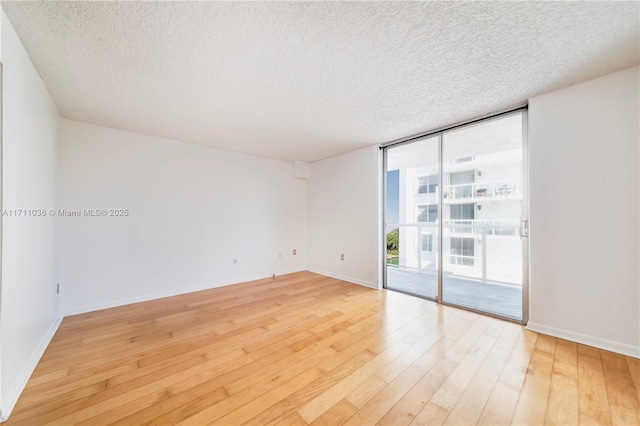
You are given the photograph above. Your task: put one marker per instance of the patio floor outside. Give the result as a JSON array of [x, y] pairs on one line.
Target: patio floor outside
[[500, 299]]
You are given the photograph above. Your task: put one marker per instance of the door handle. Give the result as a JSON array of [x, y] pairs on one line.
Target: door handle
[[524, 228]]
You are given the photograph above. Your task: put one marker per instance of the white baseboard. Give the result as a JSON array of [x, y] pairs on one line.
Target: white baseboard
[[160, 295], [596, 342], [343, 278], [26, 373]]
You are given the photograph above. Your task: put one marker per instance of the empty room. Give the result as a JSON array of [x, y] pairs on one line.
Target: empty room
[[320, 213]]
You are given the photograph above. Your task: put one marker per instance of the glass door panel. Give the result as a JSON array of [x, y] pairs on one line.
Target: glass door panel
[[482, 250], [412, 197]]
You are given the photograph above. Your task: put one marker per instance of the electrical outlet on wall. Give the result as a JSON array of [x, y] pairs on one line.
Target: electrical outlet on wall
[[341, 256], [295, 252], [235, 261]]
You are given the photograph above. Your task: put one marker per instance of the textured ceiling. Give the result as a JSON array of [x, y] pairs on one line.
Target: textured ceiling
[[487, 137], [310, 80]]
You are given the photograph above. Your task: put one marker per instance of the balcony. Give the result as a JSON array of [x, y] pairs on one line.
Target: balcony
[[480, 191], [495, 298], [482, 228], [482, 264]]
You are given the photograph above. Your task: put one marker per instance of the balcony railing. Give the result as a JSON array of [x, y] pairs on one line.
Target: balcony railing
[[481, 264], [483, 227], [501, 188]]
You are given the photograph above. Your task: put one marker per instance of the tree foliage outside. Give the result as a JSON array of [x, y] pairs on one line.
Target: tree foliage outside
[[393, 241]]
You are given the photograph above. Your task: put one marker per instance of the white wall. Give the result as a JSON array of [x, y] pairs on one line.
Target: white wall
[[192, 210], [344, 216], [583, 145], [28, 311]]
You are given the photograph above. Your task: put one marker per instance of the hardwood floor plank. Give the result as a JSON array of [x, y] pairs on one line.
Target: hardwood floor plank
[[431, 414], [112, 416], [363, 393], [180, 406], [429, 350], [471, 403], [48, 391], [382, 402], [562, 408], [280, 410], [269, 398], [315, 408], [249, 393], [439, 363], [531, 407], [37, 414], [451, 390], [634, 371], [336, 415], [307, 349], [593, 404], [623, 402], [293, 419], [499, 408]]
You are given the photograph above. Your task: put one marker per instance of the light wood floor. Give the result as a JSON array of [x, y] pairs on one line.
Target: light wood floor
[[307, 349]]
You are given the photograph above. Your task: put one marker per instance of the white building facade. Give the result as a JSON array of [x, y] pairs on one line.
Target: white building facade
[[482, 209]]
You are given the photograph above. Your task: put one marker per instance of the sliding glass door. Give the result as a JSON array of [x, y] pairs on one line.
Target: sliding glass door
[[455, 215], [412, 218]]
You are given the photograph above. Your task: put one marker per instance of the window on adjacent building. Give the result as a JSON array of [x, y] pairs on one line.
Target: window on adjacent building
[[462, 183], [428, 213], [427, 242], [462, 251], [463, 214], [463, 159], [428, 184]]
